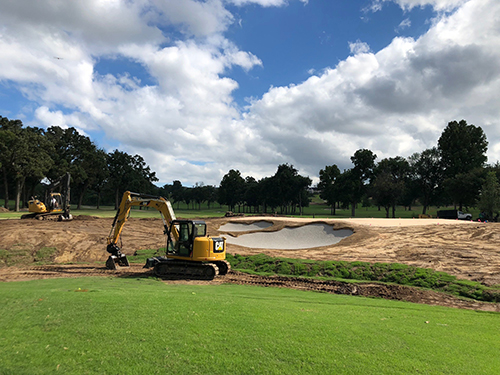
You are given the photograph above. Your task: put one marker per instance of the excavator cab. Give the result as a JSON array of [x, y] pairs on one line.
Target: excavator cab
[[187, 232]]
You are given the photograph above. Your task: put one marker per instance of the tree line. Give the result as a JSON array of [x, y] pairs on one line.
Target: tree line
[[31, 155], [454, 172]]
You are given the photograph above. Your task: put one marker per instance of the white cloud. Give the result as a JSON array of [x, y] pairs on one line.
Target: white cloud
[[395, 101], [264, 3], [403, 25], [438, 5], [359, 47], [198, 18]]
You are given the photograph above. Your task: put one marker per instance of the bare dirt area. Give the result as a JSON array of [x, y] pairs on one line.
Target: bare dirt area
[[466, 250]]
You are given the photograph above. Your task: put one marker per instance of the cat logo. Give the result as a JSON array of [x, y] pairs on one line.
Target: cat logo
[[218, 245]]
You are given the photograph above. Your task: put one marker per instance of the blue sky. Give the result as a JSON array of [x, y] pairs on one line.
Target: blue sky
[[198, 87]]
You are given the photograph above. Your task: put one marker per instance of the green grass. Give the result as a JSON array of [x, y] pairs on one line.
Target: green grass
[[22, 254], [110, 212], [142, 326], [395, 273], [317, 208]]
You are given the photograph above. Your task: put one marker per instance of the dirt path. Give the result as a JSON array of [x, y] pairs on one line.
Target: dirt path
[[470, 251]]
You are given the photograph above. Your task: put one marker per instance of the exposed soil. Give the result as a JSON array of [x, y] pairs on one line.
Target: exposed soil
[[470, 251]]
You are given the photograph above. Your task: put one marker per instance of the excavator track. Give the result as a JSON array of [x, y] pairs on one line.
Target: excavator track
[[224, 267], [177, 269]]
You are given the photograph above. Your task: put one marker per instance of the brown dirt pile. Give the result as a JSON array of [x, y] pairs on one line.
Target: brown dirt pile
[[466, 251]]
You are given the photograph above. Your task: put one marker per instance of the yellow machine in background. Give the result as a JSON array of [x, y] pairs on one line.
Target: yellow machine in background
[[190, 252], [55, 204]]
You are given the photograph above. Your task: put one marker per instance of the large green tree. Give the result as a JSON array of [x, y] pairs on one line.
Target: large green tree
[[462, 149], [127, 172], [427, 173], [177, 191], [231, 189], [252, 193], [327, 187], [489, 202], [391, 176], [35, 160], [77, 154], [361, 174], [290, 188], [9, 154], [25, 154]]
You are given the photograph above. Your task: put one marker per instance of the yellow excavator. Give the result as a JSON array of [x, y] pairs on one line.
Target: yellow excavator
[[55, 205], [190, 252]]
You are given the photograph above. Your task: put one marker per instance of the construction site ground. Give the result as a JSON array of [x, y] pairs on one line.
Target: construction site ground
[[468, 250]]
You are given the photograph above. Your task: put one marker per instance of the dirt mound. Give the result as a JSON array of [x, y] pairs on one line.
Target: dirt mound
[[80, 240], [86, 217], [466, 251], [3, 209]]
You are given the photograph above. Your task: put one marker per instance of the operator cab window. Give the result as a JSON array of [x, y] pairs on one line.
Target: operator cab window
[[185, 232], [200, 230]]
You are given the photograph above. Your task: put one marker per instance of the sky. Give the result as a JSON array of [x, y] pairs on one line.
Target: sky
[[199, 87]]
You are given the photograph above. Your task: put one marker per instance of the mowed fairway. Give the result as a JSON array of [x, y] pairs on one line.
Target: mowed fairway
[[145, 326]]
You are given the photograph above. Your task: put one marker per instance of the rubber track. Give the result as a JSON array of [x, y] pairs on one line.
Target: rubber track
[[186, 270]]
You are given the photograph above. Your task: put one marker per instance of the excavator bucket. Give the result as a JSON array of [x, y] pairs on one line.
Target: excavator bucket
[[116, 258], [114, 261]]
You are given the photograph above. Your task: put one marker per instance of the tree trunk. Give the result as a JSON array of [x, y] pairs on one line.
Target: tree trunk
[[393, 211], [117, 191], [6, 187], [98, 199], [19, 189], [82, 193], [424, 210], [353, 209], [24, 197]]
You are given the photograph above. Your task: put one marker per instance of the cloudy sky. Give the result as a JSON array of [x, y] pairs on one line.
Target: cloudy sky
[[199, 87]]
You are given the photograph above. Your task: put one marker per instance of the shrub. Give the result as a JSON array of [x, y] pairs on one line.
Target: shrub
[[299, 269], [401, 274]]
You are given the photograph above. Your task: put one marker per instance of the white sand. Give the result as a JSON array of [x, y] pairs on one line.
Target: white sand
[[305, 237]]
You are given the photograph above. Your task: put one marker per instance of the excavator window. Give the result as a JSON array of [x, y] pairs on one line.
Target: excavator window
[[200, 229], [184, 245], [185, 239]]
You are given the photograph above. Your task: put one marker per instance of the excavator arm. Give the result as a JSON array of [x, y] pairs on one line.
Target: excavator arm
[[142, 200]]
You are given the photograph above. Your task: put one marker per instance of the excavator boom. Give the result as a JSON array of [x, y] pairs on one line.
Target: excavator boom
[[190, 252], [129, 200]]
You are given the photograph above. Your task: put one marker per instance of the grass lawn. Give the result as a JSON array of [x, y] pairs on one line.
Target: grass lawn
[[143, 326], [316, 211]]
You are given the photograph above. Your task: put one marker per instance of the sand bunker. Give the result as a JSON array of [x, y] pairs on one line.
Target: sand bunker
[[243, 227], [307, 236]]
